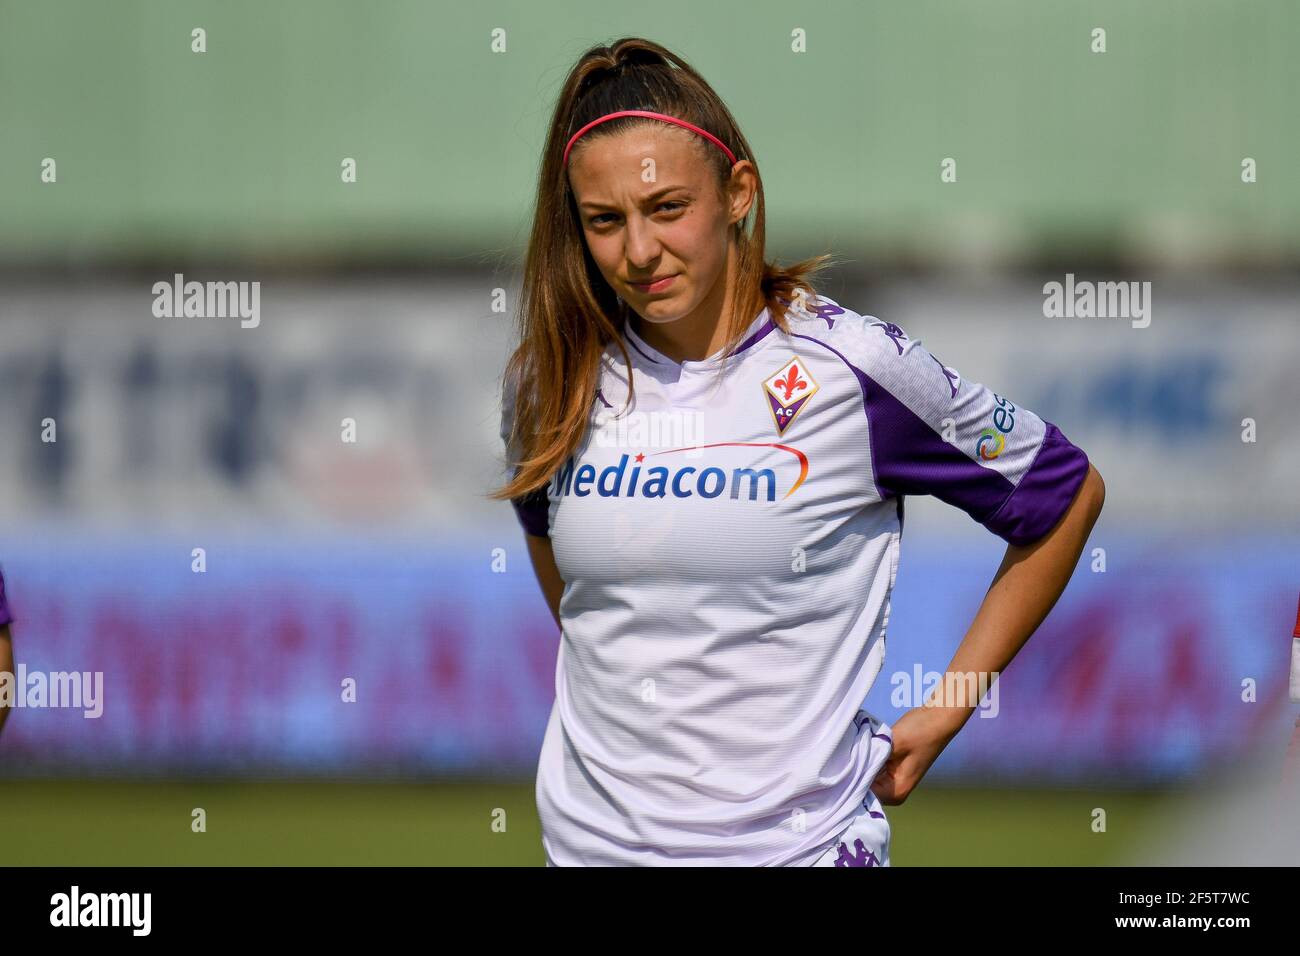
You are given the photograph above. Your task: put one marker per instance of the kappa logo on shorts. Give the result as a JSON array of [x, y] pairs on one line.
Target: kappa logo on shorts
[[860, 855], [788, 392]]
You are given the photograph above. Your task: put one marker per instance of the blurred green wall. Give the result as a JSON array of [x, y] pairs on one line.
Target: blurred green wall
[[236, 152]]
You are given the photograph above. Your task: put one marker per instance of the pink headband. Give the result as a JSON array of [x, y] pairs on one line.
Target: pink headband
[[659, 116]]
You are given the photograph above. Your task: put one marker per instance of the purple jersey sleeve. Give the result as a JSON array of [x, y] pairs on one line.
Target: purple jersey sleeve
[[934, 433], [533, 509]]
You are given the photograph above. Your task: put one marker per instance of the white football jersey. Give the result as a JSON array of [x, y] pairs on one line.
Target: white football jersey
[[728, 547]]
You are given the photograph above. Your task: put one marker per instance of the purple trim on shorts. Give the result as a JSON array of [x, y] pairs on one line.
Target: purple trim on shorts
[[935, 467]]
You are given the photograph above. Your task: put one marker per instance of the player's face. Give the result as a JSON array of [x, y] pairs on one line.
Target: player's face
[[650, 209]]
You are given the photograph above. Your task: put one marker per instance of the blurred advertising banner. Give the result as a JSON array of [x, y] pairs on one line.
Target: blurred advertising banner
[[339, 655], [375, 404]]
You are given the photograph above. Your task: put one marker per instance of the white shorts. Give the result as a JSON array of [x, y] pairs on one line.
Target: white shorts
[[865, 841]]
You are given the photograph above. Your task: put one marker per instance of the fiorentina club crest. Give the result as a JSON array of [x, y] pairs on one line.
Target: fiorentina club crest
[[788, 391]]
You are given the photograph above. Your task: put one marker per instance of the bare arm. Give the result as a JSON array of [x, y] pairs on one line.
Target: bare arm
[[548, 575], [1025, 588]]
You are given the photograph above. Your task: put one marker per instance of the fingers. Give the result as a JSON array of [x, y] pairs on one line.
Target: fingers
[[883, 788]]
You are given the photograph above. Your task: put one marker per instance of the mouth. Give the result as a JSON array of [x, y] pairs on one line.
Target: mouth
[[654, 285]]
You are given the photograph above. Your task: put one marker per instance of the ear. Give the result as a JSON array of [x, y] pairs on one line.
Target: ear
[[742, 190]]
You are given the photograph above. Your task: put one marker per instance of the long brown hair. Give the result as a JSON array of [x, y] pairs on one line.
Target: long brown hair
[[568, 313]]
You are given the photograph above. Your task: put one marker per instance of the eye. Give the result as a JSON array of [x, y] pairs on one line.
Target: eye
[[671, 204]]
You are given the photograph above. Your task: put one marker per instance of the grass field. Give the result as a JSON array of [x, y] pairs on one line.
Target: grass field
[[147, 823]]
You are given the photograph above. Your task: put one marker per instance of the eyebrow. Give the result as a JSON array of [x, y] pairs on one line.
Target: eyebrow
[[650, 198]]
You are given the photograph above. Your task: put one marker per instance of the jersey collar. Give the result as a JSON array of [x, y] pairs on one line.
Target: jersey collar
[[758, 330]]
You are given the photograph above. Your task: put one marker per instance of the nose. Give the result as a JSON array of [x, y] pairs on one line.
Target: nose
[[642, 246]]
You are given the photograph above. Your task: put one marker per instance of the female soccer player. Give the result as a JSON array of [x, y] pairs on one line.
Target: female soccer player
[[709, 462]]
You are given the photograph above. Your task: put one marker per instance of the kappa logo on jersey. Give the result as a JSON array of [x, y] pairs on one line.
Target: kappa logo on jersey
[[950, 375], [788, 392], [815, 309], [896, 335]]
